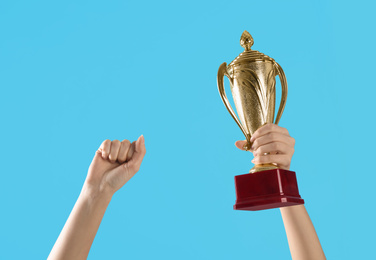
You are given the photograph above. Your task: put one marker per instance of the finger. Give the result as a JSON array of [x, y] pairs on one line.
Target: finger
[[123, 151], [134, 163], [131, 150], [269, 128], [241, 144], [105, 148], [282, 160], [274, 148], [98, 155], [115, 146], [272, 137]]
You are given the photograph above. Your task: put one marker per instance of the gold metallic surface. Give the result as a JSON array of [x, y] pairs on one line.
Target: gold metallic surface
[[263, 167], [252, 82]]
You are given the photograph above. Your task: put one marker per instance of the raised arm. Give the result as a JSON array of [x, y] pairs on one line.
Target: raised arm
[[273, 144], [114, 164], [301, 235]]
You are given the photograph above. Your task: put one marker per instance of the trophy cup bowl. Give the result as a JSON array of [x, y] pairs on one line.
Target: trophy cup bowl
[[253, 86]]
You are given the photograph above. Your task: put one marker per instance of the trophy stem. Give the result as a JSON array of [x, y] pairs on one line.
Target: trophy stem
[[263, 167]]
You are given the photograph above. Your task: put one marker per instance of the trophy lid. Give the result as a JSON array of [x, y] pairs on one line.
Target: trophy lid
[[248, 55]]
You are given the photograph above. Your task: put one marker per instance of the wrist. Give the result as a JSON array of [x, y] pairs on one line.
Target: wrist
[[91, 193]]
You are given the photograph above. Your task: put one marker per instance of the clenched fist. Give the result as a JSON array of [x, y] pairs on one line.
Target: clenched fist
[[114, 164], [271, 144]]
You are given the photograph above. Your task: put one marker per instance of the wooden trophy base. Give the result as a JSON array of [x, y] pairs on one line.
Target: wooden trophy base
[[266, 190]]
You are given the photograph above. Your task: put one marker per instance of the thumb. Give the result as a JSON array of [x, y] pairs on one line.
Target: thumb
[[97, 157], [240, 145], [133, 165]]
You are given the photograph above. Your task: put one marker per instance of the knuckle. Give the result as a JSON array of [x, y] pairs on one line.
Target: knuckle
[[272, 126], [116, 142], [122, 156], [265, 128], [284, 130], [126, 142], [121, 160], [272, 136], [106, 143]]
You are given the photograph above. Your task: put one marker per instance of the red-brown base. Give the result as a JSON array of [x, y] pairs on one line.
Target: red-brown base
[[266, 190]]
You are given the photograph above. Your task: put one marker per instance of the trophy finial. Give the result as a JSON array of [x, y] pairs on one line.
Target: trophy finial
[[246, 40]]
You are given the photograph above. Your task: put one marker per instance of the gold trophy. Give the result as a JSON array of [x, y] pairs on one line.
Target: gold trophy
[[253, 86]]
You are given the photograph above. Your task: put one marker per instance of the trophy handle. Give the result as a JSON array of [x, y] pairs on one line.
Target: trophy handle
[[222, 71], [283, 80]]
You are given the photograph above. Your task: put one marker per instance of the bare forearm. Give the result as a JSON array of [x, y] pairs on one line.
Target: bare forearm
[[113, 165], [302, 238], [77, 236]]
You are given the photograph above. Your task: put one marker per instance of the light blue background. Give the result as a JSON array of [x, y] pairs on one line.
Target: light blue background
[[73, 73]]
